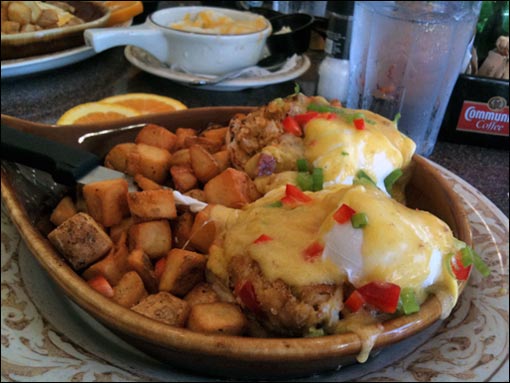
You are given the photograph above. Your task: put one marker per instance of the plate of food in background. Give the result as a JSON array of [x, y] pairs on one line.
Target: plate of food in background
[[38, 36]]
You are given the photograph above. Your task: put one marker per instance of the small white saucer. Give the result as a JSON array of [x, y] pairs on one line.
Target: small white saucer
[[146, 62]]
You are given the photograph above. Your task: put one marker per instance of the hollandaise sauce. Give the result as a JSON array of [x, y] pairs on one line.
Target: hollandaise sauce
[[292, 232], [341, 148], [395, 244]]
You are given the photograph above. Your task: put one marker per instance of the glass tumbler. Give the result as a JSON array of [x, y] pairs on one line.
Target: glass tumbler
[[405, 58]]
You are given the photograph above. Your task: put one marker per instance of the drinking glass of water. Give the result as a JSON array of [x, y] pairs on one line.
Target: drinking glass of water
[[405, 58]]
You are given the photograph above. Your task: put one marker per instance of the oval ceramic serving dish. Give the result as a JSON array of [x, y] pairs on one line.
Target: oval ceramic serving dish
[[28, 44], [226, 356]]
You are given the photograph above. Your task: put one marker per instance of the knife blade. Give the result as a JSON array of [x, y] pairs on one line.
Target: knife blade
[[67, 165]]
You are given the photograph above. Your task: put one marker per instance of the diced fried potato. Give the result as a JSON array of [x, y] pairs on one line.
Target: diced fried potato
[[152, 204], [203, 231], [231, 188], [198, 194], [10, 27], [164, 307], [145, 183], [181, 134], [117, 157], [222, 159], [217, 135], [107, 201], [183, 177], [80, 240], [153, 237], [183, 270], [151, 161], [122, 227], [114, 265], [35, 11], [156, 135], [64, 210], [47, 19], [29, 28], [181, 157], [130, 290], [182, 229], [19, 12], [201, 293], [203, 163], [141, 263], [210, 145], [217, 318]]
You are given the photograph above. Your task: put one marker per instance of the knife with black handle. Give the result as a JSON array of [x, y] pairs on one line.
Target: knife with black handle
[[67, 165]]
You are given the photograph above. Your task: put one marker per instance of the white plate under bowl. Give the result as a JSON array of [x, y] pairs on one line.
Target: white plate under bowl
[[146, 62]]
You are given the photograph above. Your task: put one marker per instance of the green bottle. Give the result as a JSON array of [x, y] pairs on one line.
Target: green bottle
[[492, 23]]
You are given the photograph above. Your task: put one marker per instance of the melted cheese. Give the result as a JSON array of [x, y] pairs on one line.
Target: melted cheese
[[341, 150], [210, 21]]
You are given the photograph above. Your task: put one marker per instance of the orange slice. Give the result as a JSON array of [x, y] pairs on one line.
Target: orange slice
[[95, 112], [146, 103], [122, 11]]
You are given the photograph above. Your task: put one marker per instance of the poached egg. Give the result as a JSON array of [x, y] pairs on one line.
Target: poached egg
[[400, 245], [342, 150]]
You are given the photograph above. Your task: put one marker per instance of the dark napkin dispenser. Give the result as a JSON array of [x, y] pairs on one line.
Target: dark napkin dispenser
[[477, 113]]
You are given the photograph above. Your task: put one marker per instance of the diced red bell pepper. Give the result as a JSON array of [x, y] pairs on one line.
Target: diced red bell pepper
[[304, 118], [291, 126], [359, 123], [344, 214], [294, 196], [328, 115], [246, 292], [460, 271], [159, 267], [355, 301], [313, 251], [382, 295], [101, 285], [296, 193], [263, 238]]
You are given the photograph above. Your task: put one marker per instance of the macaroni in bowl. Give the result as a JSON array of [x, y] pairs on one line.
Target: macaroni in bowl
[[217, 23]]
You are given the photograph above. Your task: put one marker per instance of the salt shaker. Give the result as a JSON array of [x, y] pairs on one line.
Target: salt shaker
[[334, 69]]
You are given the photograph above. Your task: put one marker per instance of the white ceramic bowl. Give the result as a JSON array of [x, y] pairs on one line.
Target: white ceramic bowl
[[193, 52]]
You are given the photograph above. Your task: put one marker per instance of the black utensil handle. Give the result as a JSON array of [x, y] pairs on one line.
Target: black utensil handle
[[66, 164]]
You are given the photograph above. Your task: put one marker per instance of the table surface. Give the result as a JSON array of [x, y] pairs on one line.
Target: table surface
[[43, 97]]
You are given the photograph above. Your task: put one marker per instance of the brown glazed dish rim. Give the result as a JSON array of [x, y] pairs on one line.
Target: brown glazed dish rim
[[254, 355]]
